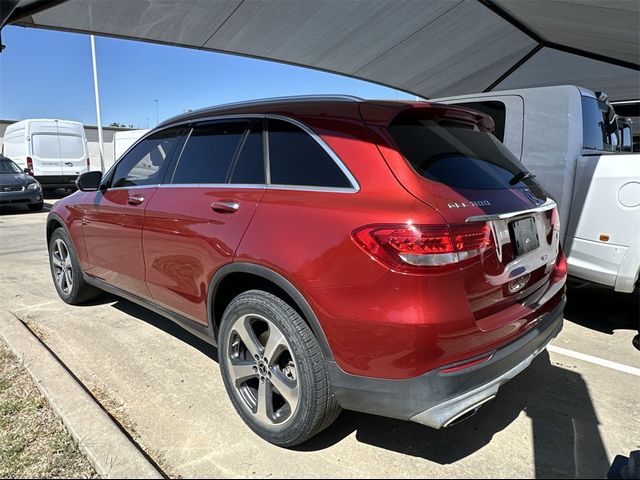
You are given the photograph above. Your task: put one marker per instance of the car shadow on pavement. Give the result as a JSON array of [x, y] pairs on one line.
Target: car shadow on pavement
[[161, 323], [57, 193], [564, 427], [564, 433], [590, 305]]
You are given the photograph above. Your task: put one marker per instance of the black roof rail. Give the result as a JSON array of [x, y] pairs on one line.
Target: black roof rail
[[262, 101]]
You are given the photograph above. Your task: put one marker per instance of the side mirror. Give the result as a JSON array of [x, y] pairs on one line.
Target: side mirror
[[89, 181], [27, 171]]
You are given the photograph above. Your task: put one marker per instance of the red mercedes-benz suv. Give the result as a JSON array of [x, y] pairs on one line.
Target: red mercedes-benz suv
[[386, 257]]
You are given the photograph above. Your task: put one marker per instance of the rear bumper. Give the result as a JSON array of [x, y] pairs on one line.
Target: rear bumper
[[57, 181], [629, 272], [614, 266], [436, 399]]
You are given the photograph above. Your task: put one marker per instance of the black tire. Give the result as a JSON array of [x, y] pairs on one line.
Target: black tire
[[316, 407], [80, 291], [36, 207]]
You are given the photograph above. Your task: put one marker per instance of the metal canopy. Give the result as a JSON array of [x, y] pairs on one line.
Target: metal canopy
[[431, 48]]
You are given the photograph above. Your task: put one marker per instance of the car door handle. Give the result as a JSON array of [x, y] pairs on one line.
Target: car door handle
[[225, 206], [135, 199]]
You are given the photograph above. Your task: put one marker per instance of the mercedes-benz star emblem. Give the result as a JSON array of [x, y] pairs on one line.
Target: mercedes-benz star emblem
[[532, 197]]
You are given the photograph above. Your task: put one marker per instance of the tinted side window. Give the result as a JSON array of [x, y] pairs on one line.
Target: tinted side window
[[495, 110], [249, 167], [143, 164], [209, 152], [295, 158]]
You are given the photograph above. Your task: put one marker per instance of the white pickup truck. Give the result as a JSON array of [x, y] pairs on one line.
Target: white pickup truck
[[572, 141]]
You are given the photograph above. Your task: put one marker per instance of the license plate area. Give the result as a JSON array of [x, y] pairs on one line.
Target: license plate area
[[524, 235]]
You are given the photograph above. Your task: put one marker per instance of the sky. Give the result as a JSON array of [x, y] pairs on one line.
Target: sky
[[48, 74]]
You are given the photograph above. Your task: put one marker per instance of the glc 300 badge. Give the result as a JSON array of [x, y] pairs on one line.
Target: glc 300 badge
[[472, 203]]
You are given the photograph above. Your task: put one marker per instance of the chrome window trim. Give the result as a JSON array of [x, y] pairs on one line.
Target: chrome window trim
[[355, 186], [137, 187], [258, 186], [310, 188], [548, 205]]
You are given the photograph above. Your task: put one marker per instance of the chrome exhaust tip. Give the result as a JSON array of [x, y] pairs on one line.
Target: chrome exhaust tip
[[469, 412]]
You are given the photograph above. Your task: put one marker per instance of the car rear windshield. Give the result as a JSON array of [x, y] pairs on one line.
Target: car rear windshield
[[45, 145], [51, 146], [456, 153], [71, 147]]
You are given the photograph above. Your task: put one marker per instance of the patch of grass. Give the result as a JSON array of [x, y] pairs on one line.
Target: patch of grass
[[33, 440], [4, 384]]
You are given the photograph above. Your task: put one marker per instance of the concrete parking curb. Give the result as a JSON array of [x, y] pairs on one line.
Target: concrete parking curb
[[109, 450]]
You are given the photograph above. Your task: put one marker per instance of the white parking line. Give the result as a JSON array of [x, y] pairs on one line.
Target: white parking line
[[595, 360]]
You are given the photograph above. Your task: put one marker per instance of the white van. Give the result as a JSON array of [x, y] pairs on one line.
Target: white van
[[571, 139], [55, 151], [122, 140]]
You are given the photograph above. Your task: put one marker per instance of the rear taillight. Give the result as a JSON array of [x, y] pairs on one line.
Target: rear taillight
[[560, 270], [30, 165], [420, 248], [554, 221]]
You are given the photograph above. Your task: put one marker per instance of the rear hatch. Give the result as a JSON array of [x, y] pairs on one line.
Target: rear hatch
[[73, 149], [504, 227], [45, 149]]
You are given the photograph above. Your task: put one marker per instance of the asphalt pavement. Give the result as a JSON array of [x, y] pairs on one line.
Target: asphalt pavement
[[568, 415]]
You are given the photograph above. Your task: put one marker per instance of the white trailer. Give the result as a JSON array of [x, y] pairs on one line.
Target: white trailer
[[570, 140]]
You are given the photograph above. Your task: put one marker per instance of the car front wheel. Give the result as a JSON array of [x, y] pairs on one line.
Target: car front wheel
[[274, 370]]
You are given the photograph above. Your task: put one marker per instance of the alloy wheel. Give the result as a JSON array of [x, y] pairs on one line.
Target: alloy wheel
[[263, 370], [62, 268]]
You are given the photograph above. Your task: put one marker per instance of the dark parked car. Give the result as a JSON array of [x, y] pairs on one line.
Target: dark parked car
[[386, 257], [18, 187]]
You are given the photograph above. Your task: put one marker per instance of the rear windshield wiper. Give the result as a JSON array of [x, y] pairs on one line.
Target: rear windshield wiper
[[518, 177]]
